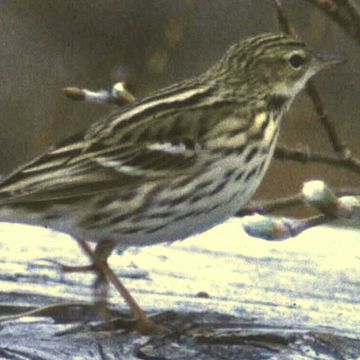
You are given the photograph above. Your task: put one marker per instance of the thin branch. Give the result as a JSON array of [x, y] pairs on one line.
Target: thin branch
[[337, 144], [297, 227], [268, 206], [272, 205], [283, 21], [118, 95], [315, 194], [346, 13], [279, 229], [305, 155]]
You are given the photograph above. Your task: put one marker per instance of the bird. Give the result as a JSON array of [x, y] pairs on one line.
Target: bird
[[169, 165]]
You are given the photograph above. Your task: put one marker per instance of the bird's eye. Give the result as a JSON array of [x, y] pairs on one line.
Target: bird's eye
[[296, 61]]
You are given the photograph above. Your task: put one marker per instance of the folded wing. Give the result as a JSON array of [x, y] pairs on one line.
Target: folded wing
[[78, 167]]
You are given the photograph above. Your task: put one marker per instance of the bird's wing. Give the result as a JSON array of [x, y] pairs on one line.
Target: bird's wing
[[91, 163]]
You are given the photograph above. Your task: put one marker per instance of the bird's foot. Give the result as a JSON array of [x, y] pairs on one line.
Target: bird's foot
[[148, 327]]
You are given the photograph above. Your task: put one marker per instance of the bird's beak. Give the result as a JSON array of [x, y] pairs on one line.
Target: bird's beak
[[325, 61]]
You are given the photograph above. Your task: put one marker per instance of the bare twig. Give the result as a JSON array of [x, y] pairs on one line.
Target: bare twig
[[346, 13], [305, 155], [118, 95], [337, 144], [315, 194], [272, 205], [268, 206], [321, 197], [283, 21], [298, 226], [278, 229]]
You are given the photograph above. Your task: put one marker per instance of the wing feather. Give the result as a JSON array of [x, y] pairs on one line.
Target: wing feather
[[76, 169]]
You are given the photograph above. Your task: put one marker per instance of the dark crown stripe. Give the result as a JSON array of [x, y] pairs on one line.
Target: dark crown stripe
[[264, 39], [285, 44], [266, 42]]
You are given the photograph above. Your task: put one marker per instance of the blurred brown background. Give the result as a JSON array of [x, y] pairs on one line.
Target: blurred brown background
[[49, 44]]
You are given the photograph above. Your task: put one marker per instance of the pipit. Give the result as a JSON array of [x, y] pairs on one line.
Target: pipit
[[171, 165]]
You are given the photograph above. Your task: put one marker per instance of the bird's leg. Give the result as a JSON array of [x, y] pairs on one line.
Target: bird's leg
[[70, 268], [105, 273], [101, 294]]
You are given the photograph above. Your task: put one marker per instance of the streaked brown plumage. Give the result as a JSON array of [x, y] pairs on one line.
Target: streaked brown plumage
[[173, 164]]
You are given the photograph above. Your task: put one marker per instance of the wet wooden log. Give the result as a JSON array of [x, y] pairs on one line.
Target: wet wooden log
[[221, 295]]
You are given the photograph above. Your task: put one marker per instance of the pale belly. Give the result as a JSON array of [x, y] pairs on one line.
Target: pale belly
[[192, 217], [184, 219]]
